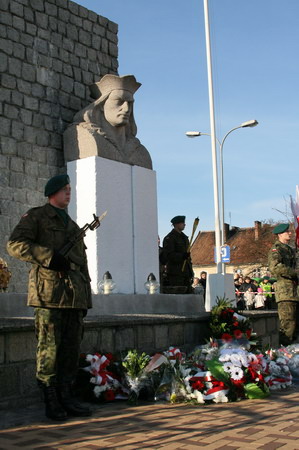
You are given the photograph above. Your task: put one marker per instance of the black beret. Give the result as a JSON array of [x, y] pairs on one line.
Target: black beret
[[281, 228], [56, 183], [178, 219]]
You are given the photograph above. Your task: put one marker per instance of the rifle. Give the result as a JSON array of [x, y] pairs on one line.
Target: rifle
[[81, 233], [195, 225]]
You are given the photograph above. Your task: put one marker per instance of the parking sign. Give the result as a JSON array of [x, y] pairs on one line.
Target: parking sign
[[225, 253]]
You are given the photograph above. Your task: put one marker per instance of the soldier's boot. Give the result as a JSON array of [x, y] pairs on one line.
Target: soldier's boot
[[70, 404], [54, 410]]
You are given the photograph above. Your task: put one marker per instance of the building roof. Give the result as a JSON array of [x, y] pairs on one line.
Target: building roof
[[247, 245]]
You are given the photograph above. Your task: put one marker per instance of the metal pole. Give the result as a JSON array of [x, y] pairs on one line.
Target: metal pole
[[213, 138], [222, 181]]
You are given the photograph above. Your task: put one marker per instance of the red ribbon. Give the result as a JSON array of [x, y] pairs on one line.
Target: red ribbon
[[297, 233], [216, 389]]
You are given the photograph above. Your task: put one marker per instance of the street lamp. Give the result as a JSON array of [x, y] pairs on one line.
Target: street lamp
[[192, 134], [250, 124]]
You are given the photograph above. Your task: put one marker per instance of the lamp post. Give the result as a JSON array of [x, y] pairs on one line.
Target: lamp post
[[192, 134], [213, 137], [250, 124]]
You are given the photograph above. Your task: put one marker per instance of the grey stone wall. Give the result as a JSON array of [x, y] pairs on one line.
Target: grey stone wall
[[50, 52]]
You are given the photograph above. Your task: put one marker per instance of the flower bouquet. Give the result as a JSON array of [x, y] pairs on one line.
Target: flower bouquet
[[292, 353], [173, 371], [278, 373], [106, 383], [136, 377], [227, 373], [228, 326]]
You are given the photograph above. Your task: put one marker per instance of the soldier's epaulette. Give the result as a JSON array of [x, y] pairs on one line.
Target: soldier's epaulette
[[29, 211]]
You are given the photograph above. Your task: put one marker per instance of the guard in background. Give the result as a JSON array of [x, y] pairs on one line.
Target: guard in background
[[59, 290], [177, 256], [282, 265]]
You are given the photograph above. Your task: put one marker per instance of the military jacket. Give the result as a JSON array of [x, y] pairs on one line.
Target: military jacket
[[282, 264], [40, 232], [175, 246]]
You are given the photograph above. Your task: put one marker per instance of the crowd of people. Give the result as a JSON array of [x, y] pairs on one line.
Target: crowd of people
[[253, 294]]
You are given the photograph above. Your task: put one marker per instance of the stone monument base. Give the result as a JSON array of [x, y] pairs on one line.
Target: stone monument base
[[126, 244], [14, 305]]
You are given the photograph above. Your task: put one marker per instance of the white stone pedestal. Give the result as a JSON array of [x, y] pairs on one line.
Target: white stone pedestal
[[219, 285], [126, 243]]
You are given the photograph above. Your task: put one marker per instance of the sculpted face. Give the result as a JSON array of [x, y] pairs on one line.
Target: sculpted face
[[118, 108]]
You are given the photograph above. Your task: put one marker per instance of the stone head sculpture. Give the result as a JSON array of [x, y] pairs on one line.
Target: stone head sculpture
[[107, 127]]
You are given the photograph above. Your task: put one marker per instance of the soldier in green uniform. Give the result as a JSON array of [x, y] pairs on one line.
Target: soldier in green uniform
[[59, 290], [177, 256], [282, 265]]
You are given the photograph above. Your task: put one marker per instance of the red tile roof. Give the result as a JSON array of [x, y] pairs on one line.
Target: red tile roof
[[247, 245]]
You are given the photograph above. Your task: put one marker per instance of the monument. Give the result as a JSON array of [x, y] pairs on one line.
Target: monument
[[111, 170]]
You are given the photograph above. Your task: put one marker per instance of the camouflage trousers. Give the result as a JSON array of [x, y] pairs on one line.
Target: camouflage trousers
[[287, 320], [59, 333]]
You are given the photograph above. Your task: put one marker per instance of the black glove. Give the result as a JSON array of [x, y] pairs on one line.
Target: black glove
[[59, 263]]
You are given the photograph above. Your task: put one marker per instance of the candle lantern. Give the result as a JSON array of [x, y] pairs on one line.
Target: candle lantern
[[151, 285], [107, 284]]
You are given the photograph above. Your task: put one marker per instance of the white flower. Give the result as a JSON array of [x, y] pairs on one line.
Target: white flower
[[221, 398], [198, 396], [274, 387], [185, 371], [187, 384], [96, 380], [237, 373], [228, 366], [285, 369], [252, 358], [281, 360], [237, 361], [274, 368], [99, 389], [235, 355]]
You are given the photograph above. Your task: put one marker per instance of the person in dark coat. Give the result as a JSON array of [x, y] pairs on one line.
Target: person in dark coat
[[248, 283], [176, 253], [203, 281]]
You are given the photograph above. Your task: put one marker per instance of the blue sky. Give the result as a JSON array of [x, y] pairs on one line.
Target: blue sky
[[255, 48]]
